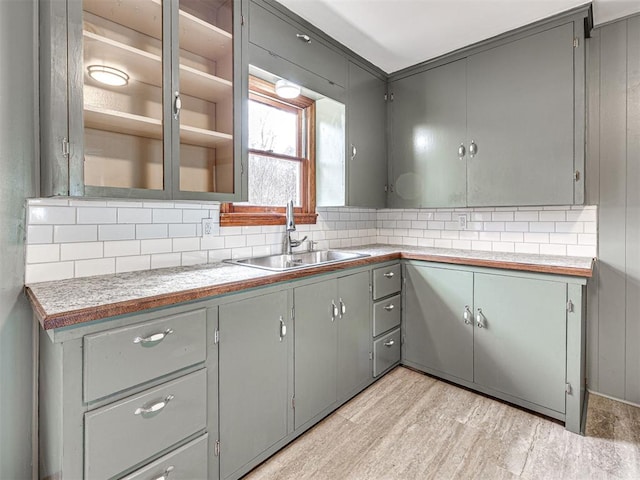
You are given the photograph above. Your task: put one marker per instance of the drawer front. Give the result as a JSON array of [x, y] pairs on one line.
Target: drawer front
[[185, 463], [386, 281], [386, 315], [386, 352], [124, 357], [123, 434], [280, 37]]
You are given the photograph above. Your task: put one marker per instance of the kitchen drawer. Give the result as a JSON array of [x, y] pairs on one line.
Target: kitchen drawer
[[124, 357], [386, 281], [386, 315], [281, 37], [386, 352], [120, 435], [185, 463]]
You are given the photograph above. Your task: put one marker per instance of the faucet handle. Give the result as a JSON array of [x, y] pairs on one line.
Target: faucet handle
[[311, 245]]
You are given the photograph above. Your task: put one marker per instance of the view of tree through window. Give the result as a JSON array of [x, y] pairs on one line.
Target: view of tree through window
[[275, 164]]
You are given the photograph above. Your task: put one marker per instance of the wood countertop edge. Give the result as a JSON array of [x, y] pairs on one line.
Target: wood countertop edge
[[74, 317]]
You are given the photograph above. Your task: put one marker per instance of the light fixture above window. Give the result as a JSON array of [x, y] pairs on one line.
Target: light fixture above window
[[108, 75], [287, 89]]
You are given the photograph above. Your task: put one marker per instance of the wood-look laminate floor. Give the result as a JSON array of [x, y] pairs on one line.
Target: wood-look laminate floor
[[411, 426]]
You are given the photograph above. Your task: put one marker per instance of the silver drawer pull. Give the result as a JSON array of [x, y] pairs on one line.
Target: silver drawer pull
[[343, 308], [480, 319], [283, 328], [303, 37], [155, 338], [155, 408], [389, 307], [165, 475], [388, 274], [389, 343], [334, 310], [466, 315]]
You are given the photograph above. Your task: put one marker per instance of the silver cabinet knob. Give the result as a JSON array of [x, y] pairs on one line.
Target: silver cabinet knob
[[389, 307], [467, 315], [461, 151], [480, 319], [473, 149], [303, 37], [388, 274]]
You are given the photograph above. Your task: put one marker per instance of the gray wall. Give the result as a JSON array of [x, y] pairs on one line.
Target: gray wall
[[18, 153], [614, 182]]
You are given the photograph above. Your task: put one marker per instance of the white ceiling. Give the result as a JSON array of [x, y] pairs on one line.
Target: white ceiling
[[394, 34]]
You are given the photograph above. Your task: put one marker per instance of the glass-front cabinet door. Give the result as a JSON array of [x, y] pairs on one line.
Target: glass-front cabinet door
[[157, 98], [203, 101]]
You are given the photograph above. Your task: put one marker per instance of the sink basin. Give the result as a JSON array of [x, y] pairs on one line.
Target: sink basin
[[285, 262]]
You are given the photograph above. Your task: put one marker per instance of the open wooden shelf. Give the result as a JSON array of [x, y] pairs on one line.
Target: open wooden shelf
[[131, 124], [147, 68], [145, 16]]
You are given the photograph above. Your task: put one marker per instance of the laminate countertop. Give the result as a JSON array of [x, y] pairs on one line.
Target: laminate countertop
[[64, 303]]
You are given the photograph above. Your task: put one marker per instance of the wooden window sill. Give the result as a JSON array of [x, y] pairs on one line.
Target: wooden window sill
[[257, 219]]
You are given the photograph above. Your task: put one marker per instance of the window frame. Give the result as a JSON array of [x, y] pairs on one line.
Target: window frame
[[253, 215]]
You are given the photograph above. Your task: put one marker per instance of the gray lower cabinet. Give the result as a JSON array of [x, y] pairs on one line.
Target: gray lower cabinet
[[254, 355], [332, 343], [516, 336], [438, 320]]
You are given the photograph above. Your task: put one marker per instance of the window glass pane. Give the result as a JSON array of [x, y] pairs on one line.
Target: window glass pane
[[272, 129], [273, 181]]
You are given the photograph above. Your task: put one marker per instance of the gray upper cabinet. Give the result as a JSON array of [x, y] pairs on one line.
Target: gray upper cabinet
[[147, 102], [520, 115], [428, 121], [366, 145], [255, 351], [500, 125]]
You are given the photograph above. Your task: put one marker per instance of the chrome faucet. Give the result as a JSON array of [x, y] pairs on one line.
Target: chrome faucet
[[288, 244]]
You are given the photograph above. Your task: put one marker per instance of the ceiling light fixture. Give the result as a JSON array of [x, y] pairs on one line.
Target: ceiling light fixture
[[287, 89], [108, 75]]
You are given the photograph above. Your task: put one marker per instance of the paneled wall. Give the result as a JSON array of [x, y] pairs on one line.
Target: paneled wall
[[614, 182], [18, 160]]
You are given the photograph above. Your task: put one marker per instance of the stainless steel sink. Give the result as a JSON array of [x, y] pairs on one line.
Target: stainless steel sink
[[284, 262]]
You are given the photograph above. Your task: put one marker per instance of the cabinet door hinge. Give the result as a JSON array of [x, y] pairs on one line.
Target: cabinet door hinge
[[391, 97], [216, 448], [216, 337], [402, 340], [386, 188], [293, 313], [567, 388], [576, 175], [576, 42], [370, 355], [386, 97], [293, 402], [241, 19], [65, 147], [570, 306], [370, 288]]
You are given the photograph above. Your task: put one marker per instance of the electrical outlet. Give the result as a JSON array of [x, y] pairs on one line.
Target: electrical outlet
[[462, 222], [209, 228]]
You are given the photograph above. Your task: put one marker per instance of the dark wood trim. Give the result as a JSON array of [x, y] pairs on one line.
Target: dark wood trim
[[245, 219]]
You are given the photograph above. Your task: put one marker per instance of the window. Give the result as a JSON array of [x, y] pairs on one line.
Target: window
[[281, 163]]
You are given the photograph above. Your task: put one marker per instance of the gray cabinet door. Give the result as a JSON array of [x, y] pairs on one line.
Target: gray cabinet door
[[354, 334], [435, 330], [366, 148], [520, 115], [520, 349], [254, 371], [428, 125], [316, 347]]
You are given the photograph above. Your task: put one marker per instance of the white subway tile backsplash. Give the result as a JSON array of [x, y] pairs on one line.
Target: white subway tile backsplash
[[37, 234], [152, 230], [134, 215], [158, 245], [46, 272], [154, 234], [75, 233], [121, 248], [116, 232], [81, 251], [51, 215], [165, 260], [43, 253], [131, 264], [166, 215], [97, 266]]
